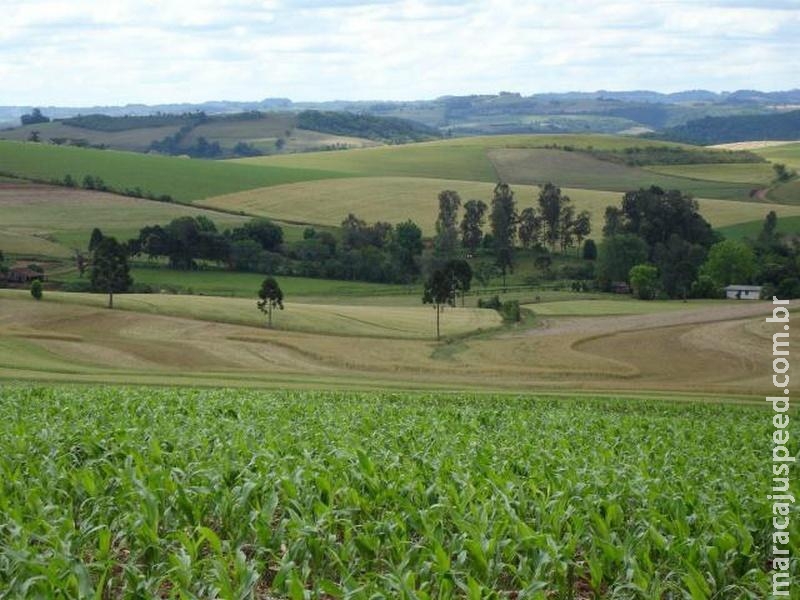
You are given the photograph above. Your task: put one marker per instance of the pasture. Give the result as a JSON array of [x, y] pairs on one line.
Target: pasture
[[754, 174], [182, 178], [788, 154], [225, 493]]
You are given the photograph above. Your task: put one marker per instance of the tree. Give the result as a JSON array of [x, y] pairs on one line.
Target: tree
[[263, 231], [271, 297], [590, 250], [438, 291], [407, 247], [36, 289], [461, 276], [504, 228], [80, 262], [618, 255], [34, 117], [730, 262], [34, 136], [95, 239], [782, 174], [110, 271], [644, 281], [529, 227], [566, 227], [472, 224], [582, 227], [446, 238], [551, 209]]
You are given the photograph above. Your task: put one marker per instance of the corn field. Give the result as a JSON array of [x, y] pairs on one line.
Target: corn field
[[171, 493]]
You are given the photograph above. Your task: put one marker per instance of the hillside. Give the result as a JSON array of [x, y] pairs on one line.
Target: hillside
[[735, 128], [201, 135]]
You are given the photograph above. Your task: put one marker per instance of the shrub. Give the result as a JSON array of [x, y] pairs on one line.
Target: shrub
[[36, 289]]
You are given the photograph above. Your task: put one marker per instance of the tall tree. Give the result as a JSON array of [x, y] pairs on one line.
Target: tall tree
[[472, 224], [407, 247], [438, 291], [566, 227], [730, 261], [582, 227], [95, 239], [551, 207], [110, 271], [461, 277], [529, 227], [446, 239], [270, 297], [504, 226]]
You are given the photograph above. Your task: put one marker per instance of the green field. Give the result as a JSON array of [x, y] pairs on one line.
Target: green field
[[756, 174], [515, 159], [183, 179], [788, 154], [622, 306], [136, 140], [787, 193], [184, 493], [751, 229], [245, 285]]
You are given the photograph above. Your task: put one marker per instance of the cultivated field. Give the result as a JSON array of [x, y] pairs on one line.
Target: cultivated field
[[44, 220], [186, 493], [754, 174], [703, 348], [182, 178], [395, 199]]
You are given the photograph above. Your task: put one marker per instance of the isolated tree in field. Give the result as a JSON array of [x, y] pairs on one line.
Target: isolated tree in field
[[446, 239], [95, 239], [461, 277], [270, 297], [438, 291], [36, 289], [110, 271], [730, 262], [644, 281], [529, 227], [472, 224]]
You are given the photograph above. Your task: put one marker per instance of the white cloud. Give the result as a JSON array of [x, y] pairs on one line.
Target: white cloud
[[86, 52]]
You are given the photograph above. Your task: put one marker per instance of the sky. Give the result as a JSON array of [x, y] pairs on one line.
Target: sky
[[115, 52]]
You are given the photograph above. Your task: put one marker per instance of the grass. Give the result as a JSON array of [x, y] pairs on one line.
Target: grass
[[788, 154], [516, 159], [751, 229], [395, 199], [136, 140], [183, 179], [152, 492], [786, 193], [245, 285], [624, 306], [372, 321], [755, 174]]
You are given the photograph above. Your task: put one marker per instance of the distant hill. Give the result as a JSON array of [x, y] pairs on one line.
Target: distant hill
[[736, 128], [602, 111]]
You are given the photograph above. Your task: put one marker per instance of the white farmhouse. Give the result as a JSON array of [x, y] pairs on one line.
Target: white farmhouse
[[743, 292]]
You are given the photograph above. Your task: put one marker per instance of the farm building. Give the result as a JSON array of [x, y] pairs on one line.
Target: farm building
[[743, 292], [23, 275]]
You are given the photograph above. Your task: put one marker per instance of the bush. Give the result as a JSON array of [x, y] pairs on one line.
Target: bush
[[706, 287], [493, 303], [510, 311], [36, 289]]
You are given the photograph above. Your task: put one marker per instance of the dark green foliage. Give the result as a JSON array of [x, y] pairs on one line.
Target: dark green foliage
[[777, 258], [618, 255], [705, 287], [736, 128], [265, 232], [472, 224], [552, 205], [107, 123], [36, 289], [446, 239], [730, 261], [438, 290], [640, 156], [503, 220], [529, 227], [34, 118], [183, 240], [782, 174], [388, 129], [270, 297], [110, 272], [589, 250], [245, 149], [95, 239]]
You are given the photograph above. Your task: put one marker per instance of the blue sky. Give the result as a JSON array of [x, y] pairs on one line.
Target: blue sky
[[89, 52]]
